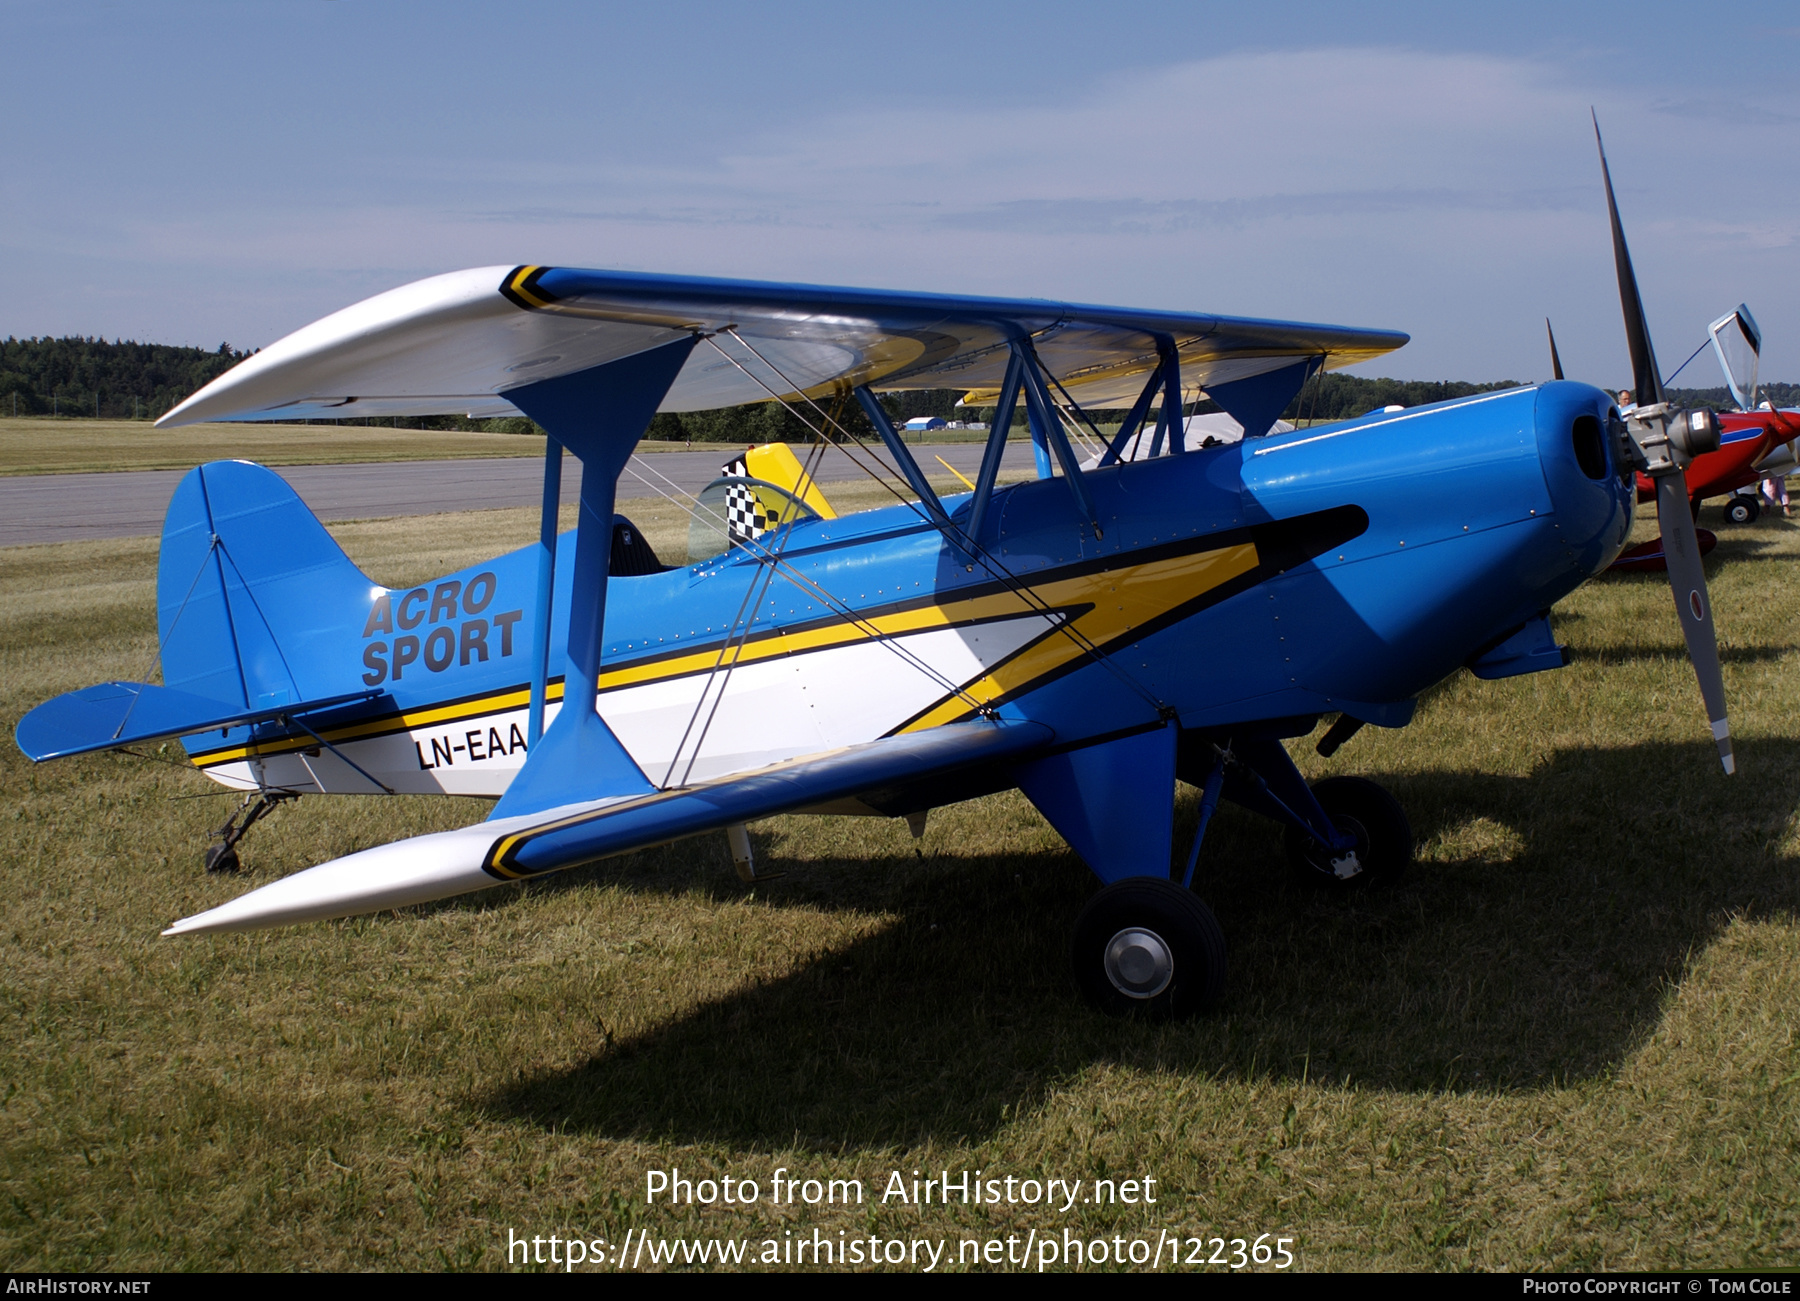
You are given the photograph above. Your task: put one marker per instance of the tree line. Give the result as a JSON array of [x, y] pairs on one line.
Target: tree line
[[124, 380], [120, 380]]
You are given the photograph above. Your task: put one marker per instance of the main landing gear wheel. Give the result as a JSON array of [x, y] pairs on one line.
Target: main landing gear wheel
[[1360, 808], [1742, 509], [1146, 947]]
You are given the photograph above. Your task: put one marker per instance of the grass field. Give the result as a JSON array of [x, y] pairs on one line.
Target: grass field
[[42, 446], [1565, 1041], [85, 446]]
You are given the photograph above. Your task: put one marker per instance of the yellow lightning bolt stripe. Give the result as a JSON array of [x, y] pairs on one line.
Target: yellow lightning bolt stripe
[[769, 645], [1120, 600], [776, 643]]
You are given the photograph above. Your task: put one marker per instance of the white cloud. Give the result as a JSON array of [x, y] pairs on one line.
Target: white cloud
[[1455, 196]]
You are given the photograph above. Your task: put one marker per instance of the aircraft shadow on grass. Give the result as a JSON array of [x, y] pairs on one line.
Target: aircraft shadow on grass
[[1741, 544], [1637, 653], [1543, 958], [1738, 546]]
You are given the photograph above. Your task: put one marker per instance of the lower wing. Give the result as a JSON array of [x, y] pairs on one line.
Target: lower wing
[[447, 863]]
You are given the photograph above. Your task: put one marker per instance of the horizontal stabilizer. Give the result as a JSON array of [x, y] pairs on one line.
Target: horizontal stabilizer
[[125, 713], [449, 863]]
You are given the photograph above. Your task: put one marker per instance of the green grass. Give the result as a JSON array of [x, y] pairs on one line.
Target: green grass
[[1565, 1041], [44, 446]]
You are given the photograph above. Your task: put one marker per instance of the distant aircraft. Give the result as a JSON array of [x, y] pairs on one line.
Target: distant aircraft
[[1089, 637], [1755, 441]]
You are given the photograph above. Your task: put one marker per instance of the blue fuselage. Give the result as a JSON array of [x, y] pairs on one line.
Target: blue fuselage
[[1480, 516], [1343, 568]]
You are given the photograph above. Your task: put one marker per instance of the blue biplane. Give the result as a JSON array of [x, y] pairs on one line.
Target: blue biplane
[[1090, 637]]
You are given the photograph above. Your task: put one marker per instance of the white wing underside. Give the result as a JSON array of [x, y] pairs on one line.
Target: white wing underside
[[454, 344]]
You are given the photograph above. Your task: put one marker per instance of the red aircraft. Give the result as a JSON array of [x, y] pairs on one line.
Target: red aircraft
[[1753, 445], [1755, 442]]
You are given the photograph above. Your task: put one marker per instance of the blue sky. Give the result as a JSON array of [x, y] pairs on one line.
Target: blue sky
[[198, 172]]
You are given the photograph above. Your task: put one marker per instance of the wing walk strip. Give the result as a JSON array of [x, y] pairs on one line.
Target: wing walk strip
[[1109, 606]]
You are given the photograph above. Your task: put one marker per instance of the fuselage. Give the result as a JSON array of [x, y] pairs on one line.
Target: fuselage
[[1344, 568]]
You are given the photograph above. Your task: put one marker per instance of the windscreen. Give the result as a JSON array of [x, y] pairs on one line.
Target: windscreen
[[1738, 344], [733, 511]]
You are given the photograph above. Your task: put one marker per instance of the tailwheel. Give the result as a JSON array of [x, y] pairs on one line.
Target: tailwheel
[[1146, 947], [1358, 808], [223, 856]]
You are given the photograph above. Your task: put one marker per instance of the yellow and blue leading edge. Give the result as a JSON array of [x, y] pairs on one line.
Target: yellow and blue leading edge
[[1090, 637]]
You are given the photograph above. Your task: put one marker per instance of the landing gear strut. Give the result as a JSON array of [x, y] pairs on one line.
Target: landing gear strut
[[222, 855], [1145, 946], [1358, 808]]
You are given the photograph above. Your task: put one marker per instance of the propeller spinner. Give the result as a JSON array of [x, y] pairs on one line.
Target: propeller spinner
[[1660, 441]]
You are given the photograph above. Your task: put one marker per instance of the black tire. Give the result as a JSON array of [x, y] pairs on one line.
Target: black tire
[[1742, 510], [1168, 953], [221, 859], [1357, 806]]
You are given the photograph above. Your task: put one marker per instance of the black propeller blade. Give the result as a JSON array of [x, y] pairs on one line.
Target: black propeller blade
[[1555, 361], [1666, 440], [1646, 378]]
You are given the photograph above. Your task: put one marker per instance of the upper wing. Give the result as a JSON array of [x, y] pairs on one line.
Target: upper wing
[[456, 343]]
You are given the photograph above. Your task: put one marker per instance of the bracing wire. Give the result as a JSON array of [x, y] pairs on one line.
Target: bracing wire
[[740, 629], [1079, 413], [989, 562], [773, 554]]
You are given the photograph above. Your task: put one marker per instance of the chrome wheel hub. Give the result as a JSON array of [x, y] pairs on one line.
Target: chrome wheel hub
[[1139, 963]]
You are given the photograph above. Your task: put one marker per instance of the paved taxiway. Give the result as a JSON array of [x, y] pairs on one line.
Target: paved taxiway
[[74, 507]]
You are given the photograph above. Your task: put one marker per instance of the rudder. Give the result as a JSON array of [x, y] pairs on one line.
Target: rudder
[[251, 590]]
